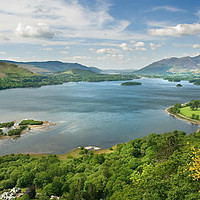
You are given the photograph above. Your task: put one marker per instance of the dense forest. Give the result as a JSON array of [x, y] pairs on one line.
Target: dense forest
[[160, 166], [73, 75]]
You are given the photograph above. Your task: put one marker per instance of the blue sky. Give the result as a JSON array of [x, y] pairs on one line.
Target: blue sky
[[108, 34]]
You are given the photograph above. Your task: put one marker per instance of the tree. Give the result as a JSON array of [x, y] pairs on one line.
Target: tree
[[195, 104], [193, 116], [25, 180], [25, 197]]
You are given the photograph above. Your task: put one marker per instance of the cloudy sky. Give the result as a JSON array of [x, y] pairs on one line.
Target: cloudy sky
[[108, 34]]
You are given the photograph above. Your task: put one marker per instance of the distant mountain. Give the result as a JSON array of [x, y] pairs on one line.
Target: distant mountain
[[173, 66], [117, 71], [9, 70], [51, 66]]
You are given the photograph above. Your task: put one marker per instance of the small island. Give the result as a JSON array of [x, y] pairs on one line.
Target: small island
[[188, 112], [14, 129], [131, 83], [179, 85]]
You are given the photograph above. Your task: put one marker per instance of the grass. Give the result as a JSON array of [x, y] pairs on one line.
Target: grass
[[74, 153], [11, 70], [188, 112]]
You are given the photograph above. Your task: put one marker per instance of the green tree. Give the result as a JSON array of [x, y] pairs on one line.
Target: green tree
[[25, 197]]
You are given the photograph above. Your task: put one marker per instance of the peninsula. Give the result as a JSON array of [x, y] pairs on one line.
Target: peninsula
[[188, 112], [14, 129]]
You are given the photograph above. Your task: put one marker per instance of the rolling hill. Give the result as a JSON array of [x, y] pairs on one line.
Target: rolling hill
[[51, 66], [8, 70], [173, 66]]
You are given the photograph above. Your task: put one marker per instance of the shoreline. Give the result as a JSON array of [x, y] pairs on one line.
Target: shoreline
[[182, 117], [31, 128], [72, 153]]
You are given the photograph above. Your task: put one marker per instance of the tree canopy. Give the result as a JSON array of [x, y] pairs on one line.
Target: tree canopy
[[153, 167]]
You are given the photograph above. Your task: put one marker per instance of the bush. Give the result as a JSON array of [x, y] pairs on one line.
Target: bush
[[30, 122], [7, 124], [81, 152], [91, 153], [25, 197], [14, 132]]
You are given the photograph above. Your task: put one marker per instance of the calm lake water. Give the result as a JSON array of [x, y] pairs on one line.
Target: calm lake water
[[101, 114]]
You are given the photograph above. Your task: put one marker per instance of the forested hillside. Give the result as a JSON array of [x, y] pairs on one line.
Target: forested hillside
[[160, 166], [17, 77], [51, 66]]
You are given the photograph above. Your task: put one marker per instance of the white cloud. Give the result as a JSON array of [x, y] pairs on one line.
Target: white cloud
[[196, 46], [125, 47], [64, 52], [72, 18], [41, 30], [114, 57], [47, 49], [140, 46], [3, 52], [77, 58], [106, 51], [155, 46], [109, 54], [81, 57], [140, 49], [157, 23], [168, 8], [177, 31]]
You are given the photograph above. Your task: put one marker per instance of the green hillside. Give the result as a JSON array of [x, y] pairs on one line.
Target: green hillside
[[8, 70], [49, 67], [157, 167], [21, 78]]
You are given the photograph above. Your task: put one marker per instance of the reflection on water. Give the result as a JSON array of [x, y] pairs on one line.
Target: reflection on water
[[100, 114]]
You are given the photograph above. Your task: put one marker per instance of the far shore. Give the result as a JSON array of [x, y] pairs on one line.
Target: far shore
[[182, 117]]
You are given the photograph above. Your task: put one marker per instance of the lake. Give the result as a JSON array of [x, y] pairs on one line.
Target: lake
[[101, 114]]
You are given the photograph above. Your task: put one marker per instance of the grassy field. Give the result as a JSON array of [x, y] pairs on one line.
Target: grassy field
[[188, 112], [74, 153], [11, 70]]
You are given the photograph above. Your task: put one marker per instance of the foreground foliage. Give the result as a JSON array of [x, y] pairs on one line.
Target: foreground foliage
[[153, 167]]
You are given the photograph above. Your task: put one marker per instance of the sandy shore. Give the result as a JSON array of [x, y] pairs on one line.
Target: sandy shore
[[31, 128], [182, 117]]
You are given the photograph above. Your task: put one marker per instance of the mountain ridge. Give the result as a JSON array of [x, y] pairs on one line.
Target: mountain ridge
[[173, 65], [45, 67]]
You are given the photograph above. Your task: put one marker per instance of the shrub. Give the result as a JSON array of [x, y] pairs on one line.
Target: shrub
[[30, 122]]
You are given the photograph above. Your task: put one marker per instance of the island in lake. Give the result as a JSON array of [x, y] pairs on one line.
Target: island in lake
[[13, 129], [131, 83]]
